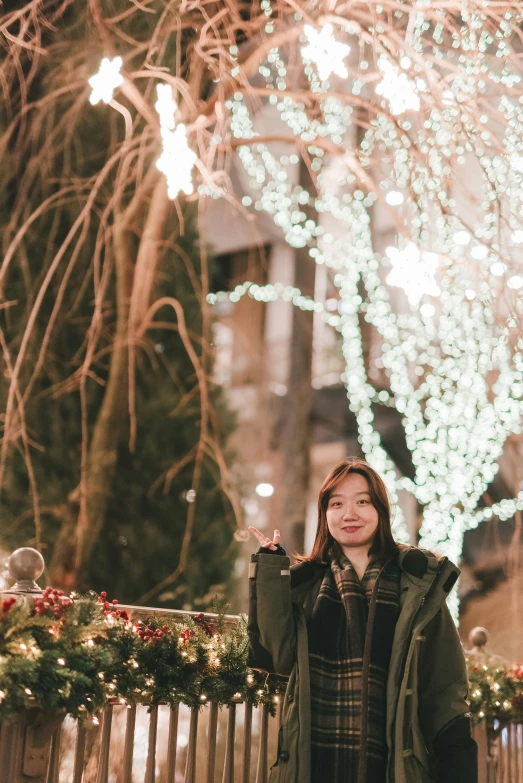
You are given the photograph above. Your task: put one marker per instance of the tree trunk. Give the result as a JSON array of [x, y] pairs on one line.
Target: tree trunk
[[296, 432], [75, 544]]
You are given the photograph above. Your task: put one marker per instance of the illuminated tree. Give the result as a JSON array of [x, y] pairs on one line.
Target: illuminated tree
[[403, 112]]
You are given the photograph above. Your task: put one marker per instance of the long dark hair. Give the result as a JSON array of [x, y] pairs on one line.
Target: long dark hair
[[383, 545]]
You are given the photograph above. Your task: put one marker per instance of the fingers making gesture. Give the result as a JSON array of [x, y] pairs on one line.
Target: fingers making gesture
[[265, 542]]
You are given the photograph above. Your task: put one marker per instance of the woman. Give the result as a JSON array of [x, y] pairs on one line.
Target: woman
[[377, 680]]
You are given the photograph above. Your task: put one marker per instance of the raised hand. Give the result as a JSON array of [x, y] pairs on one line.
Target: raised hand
[[265, 542]]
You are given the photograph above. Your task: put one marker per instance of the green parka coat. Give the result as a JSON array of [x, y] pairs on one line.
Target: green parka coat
[[427, 682]]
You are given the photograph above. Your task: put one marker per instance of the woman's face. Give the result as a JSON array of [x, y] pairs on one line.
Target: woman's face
[[351, 518]]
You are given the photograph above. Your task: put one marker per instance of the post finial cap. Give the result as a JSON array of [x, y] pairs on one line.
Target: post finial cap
[[478, 637], [26, 565]]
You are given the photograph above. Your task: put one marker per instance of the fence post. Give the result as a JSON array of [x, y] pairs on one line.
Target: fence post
[[25, 566]]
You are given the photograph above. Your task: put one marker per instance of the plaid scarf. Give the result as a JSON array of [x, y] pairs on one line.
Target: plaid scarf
[[350, 644]]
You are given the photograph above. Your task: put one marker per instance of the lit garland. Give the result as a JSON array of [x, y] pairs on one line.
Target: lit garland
[[495, 690], [76, 656]]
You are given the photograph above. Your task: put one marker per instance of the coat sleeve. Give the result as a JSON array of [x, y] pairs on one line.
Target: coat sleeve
[[271, 625], [443, 709]]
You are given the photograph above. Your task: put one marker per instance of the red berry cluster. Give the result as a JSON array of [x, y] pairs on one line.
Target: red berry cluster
[[52, 602], [186, 635], [110, 608], [517, 671], [200, 620], [148, 634], [7, 605]]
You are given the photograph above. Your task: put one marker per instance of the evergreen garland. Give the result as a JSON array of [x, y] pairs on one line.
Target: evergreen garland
[[495, 689], [75, 656]]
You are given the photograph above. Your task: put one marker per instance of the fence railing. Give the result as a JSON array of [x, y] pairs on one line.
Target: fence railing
[[140, 743], [158, 744]]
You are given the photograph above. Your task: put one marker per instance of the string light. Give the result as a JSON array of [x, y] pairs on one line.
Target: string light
[[438, 354], [105, 82]]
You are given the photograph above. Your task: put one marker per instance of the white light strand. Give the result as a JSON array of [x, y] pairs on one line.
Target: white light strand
[[270, 293]]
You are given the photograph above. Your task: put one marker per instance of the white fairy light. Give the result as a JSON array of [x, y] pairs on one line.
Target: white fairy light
[[413, 272], [498, 268], [427, 310], [265, 490], [397, 88], [394, 198], [177, 158], [461, 237], [479, 252], [515, 282], [517, 236], [105, 82], [325, 52]]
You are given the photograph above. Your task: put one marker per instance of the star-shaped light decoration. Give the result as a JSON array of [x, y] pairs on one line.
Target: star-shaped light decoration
[[413, 272], [177, 158], [397, 88], [105, 82], [325, 52]]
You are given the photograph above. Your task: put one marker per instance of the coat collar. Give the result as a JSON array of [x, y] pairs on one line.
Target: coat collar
[[431, 575]]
